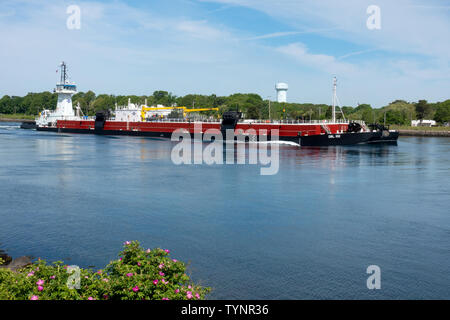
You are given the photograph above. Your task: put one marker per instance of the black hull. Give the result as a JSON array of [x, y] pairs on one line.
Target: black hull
[[315, 140], [108, 132], [28, 125], [353, 138]]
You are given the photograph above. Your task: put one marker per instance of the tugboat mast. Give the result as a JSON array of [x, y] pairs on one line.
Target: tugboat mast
[[63, 72], [65, 90]]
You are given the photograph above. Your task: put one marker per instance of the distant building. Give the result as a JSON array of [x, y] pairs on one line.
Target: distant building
[[423, 123], [282, 89]]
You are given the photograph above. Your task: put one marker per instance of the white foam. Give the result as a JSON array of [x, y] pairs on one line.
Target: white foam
[[290, 143], [8, 126]]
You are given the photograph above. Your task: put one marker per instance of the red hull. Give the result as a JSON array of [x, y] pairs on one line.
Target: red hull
[[285, 130]]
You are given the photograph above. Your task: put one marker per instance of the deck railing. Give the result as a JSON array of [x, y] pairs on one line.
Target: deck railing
[[321, 122], [241, 121]]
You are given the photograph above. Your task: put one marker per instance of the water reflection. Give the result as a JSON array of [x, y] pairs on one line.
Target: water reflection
[[342, 156], [57, 156]]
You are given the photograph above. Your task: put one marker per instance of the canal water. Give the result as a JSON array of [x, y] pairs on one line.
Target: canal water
[[308, 232]]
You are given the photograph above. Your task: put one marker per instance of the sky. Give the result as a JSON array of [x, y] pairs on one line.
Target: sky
[[228, 46]]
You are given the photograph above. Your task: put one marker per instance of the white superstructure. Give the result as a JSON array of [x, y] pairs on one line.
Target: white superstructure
[[128, 113], [282, 89], [64, 109], [133, 112]]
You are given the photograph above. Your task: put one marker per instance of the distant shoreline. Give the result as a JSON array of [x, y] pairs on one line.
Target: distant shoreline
[[16, 117], [14, 120], [424, 133]]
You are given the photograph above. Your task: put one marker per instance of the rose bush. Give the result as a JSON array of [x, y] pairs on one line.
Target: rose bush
[[137, 274]]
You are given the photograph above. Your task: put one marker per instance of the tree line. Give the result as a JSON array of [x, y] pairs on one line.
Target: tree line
[[252, 105]]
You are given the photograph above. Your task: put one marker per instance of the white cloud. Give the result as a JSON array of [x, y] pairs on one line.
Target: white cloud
[[122, 49], [355, 53], [406, 28], [285, 34], [323, 62], [118, 49], [201, 30]]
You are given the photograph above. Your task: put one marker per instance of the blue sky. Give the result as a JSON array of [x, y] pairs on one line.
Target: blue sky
[[228, 46]]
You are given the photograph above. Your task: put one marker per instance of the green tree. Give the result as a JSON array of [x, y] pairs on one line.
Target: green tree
[[89, 98], [163, 97], [5, 104], [103, 102], [362, 107], [423, 109], [252, 111], [443, 112], [396, 117]]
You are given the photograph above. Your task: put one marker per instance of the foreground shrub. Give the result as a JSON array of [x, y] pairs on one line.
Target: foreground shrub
[[138, 274]]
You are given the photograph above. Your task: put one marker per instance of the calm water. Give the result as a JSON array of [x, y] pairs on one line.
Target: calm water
[[308, 232]]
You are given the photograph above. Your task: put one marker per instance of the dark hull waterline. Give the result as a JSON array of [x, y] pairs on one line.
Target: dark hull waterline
[[313, 140]]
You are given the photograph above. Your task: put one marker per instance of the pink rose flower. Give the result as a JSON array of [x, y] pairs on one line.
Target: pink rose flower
[[148, 250], [40, 282], [30, 274], [105, 280], [177, 290], [129, 274], [161, 274], [161, 266], [136, 289], [165, 299], [164, 281], [189, 295], [139, 264], [34, 298], [197, 296], [167, 251], [127, 243], [90, 298], [52, 277], [174, 260], [40, 288], [155, 282]]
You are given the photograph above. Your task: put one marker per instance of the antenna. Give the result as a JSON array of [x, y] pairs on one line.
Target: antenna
[[336, 102], [63, 72], [333, 110]]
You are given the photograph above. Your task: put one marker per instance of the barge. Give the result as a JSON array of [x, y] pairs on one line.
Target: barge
[[142, 120]]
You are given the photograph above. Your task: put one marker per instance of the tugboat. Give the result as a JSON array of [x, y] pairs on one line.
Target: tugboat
[[64, 111], [150, 121]]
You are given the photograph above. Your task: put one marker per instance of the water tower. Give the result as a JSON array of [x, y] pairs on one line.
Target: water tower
[[282, 89]]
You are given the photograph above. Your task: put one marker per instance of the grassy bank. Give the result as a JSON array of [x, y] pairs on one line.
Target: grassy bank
[[397, 127], [422, 131], [16, 117]]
